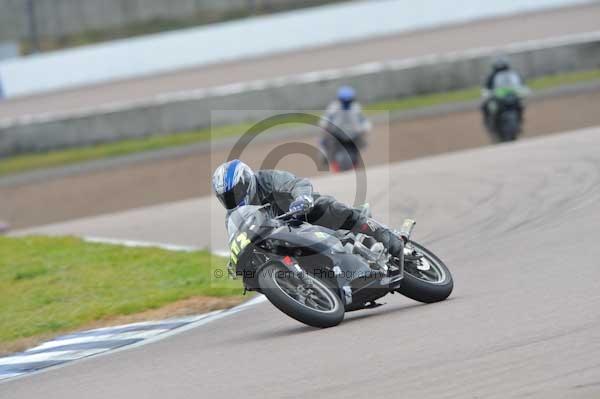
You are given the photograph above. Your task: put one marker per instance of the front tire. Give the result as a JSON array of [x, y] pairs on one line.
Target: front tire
[[509, 126], [325, 310], [423, 286]]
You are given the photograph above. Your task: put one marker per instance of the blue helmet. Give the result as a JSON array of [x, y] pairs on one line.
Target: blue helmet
[[234, 184], [346, 94]]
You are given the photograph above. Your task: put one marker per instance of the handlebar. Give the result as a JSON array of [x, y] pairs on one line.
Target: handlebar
[[289, 215]]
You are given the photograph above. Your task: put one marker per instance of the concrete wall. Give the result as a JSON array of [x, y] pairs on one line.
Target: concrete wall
[[374, 82], [57, 18]]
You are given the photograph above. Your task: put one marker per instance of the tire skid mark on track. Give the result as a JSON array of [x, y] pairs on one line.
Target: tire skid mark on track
[[533, 207]]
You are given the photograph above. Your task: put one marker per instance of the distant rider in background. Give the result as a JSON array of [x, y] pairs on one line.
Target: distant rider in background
[[502, 75], [344, 121]]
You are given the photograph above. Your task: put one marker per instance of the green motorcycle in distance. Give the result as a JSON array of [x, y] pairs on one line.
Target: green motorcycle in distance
[[503, 117]]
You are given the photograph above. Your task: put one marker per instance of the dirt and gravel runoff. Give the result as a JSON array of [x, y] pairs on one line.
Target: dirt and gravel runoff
[[156, 182], [483, 33]]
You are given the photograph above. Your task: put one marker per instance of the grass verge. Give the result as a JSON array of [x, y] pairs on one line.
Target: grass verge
[[52, 285], [28, 162]]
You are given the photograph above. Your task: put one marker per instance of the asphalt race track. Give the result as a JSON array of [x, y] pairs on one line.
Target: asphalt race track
[[488, 32], [518, 224]]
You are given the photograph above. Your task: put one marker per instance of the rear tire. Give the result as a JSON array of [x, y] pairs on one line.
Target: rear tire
[[291, 307], [426, 291]]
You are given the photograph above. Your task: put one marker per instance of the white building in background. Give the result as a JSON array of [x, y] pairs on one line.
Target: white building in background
[[252, 37]]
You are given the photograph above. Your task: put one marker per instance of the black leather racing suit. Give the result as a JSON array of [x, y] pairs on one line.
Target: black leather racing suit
[[280, 189]]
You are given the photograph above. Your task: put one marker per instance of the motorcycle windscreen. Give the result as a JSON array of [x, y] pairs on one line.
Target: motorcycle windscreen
[[244, 217]]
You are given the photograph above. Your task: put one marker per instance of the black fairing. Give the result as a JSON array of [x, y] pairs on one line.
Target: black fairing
[[317, 251], [510, 103]]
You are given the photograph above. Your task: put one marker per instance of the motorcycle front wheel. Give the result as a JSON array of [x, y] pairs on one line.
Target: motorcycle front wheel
[[509, 126], [307, 299]]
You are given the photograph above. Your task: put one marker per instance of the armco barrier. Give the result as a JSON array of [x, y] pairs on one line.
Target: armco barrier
[[375, 82]]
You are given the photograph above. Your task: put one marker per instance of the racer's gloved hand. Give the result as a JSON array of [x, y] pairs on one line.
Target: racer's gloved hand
[[302, 204]]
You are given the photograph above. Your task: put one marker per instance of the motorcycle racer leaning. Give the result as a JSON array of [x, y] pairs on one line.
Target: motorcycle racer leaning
[[236, 184]]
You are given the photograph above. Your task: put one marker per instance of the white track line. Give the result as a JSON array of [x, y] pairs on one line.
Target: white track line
[[208, 318], [141, 244], [97, 338], [63, 356], [322, 75], [147, 337]]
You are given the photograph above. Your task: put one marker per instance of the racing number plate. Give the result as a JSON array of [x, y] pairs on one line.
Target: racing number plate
[[237, 245]]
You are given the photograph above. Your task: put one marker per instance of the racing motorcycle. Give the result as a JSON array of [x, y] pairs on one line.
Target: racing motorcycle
[[342, 145], [507, 115], [505, 107], [341, 155], [315, 275], [504, 118]]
